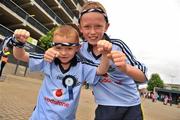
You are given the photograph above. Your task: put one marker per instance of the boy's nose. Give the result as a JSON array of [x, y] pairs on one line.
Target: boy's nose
[[92, 30], [63, 51]]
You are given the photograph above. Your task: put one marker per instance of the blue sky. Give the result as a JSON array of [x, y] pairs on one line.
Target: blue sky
[[151, 28]]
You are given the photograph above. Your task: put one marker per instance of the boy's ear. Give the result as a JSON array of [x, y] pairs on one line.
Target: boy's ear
[[79, 26], [80, 31], [107, 26]]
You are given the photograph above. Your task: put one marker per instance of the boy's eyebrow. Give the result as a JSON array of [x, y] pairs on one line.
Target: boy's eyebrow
[[99, 10], [65, 44]]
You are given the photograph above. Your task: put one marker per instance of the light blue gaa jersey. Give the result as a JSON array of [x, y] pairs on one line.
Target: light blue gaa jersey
[[53, 101], [115, 88]]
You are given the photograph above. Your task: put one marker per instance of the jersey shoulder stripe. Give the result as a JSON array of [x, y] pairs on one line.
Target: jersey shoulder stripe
[[83, 60], [36, 55]]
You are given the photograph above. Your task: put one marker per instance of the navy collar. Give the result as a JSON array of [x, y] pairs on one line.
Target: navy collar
[[73, 62], [89, 49]]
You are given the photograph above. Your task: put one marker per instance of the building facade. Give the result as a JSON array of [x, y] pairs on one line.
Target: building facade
[[37, 16]]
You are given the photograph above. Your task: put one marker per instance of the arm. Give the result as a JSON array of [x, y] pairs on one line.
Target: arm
[[135, 73], [132, 61], [104, 65], [104, 47], [19, 53], [119, 59]]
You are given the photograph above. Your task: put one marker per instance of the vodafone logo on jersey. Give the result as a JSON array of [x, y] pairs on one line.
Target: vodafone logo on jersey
[[106, 79], [57, 93]]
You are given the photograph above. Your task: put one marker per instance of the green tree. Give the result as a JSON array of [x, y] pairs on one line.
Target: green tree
[[155, 81], [45, 41]]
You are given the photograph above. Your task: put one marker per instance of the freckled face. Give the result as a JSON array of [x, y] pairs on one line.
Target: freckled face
[[93, 26]]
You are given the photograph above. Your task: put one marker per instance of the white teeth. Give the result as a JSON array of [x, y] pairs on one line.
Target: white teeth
[[93, 38]]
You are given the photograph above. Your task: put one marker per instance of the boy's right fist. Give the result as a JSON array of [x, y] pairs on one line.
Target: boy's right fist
[[50, 54], [104, 46], [21, 35]]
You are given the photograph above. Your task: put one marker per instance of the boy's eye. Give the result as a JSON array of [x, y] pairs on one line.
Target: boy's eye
[[98, 26], [58, 48], [63, 47], [86, 27], [95, 27], [69, 48]]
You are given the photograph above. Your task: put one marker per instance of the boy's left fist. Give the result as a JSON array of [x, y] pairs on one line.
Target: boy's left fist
[[119, 59], [104, 46]]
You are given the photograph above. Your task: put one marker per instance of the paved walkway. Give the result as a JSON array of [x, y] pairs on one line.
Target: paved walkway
[[18, 94], [18, 97]]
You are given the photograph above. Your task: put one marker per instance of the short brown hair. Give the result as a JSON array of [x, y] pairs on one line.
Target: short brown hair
[[93, 4], [66, 30]]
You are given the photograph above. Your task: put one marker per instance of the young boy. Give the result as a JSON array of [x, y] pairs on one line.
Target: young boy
[[116, 94], [60, 91]]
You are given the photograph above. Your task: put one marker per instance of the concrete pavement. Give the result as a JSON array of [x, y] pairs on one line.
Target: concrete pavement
[[17, 94]]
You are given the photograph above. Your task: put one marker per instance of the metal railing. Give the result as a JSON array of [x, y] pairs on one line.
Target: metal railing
[[75, 1], [68, 10], [49, 11], [23, 14], [5, 31]]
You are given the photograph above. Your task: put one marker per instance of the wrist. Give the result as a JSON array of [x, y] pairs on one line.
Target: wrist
[[125, 68], [17, 43]]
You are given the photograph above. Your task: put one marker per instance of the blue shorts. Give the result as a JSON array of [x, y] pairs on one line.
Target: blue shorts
[[118, 113]]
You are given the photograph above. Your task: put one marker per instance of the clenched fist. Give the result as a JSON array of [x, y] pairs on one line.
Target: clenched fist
[[119, 59], [104, 46], [21, 35]]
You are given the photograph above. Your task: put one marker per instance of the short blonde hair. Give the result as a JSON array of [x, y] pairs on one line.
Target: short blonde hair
[[67, 31]]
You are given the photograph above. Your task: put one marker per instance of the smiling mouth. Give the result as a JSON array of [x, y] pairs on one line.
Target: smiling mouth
[[64, 58], [93, 38]]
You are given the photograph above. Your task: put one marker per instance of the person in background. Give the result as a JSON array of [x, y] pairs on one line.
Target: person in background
[[178, 102], [4, 59], [165, 101], [170, 100]]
